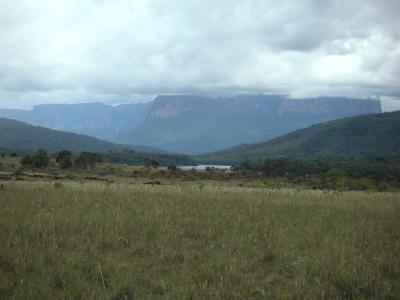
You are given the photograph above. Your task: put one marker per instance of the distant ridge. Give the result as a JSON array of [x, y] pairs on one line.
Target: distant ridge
[[94, 119], [368, 135], [193, 124]]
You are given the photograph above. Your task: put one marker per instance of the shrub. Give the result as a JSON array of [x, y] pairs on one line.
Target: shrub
[[172, 167], [151, 162], [26, 160], [40, 160], [336, 179], [64, 159], [87, 159], [383, 187]]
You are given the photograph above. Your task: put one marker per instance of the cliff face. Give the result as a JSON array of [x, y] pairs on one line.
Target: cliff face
[[192, 124], [170, 107], [339, 106]]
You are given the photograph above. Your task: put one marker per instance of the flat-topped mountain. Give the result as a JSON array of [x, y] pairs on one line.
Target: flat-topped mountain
[[194, 124], [169, 107]]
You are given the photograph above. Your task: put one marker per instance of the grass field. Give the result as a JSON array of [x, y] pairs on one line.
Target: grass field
[[89, 240]]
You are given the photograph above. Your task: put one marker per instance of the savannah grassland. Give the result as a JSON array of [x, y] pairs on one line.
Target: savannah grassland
[[191, 240]]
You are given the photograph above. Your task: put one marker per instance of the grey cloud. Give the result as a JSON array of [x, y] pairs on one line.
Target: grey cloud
[[124, 50]]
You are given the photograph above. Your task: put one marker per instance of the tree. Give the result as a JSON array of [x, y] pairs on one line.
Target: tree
[[26, 160], [64, 159], [336, 179], [40, 160], [151, 162], [87, 159], [172, 167]]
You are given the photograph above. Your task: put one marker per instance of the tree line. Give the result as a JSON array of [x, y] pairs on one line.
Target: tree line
[[333, 173], [64, 158]]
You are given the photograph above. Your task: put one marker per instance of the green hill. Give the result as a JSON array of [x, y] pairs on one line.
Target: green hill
[[16, 136], [368, 135], [22, 137]]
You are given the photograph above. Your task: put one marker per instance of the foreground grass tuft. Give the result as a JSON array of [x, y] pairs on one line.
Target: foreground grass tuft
[[118, 241]]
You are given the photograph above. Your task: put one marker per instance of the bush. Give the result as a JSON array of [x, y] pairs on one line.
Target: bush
[[336, 179], [383, 187], [40, 160], [151, 162], [64, 159], [26, 160], [172, 167], [87, 159]]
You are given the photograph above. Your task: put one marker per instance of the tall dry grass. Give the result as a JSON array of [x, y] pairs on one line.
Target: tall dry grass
[[119, 241]]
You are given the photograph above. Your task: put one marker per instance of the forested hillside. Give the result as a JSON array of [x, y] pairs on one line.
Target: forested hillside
[[22, 137], [369, 135]]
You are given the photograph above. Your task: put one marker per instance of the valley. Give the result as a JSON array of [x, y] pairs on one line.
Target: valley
[[188, 124]]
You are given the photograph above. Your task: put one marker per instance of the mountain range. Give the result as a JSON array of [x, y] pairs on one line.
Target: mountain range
[[359, 136], [193, 124], [369, 135]]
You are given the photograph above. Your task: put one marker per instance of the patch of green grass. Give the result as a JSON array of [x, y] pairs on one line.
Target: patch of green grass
[[121, 241]]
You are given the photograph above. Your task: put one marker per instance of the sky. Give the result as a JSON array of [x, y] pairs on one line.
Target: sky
[[121, 51]]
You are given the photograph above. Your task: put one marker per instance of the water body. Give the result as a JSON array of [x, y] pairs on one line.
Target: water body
[[204, 167]]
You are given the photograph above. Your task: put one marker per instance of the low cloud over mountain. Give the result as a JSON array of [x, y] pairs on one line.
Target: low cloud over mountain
[[128, 51]]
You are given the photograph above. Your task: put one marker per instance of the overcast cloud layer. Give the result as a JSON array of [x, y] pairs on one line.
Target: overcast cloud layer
[[128, 51]]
